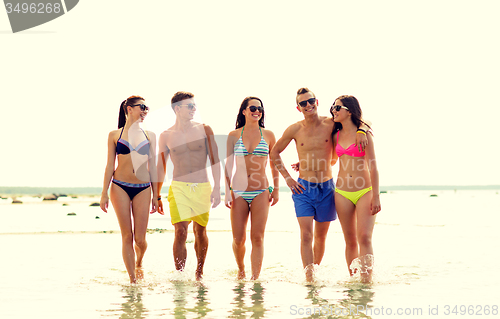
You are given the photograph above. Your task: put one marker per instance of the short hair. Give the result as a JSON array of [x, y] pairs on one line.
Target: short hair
[[303, 91], [179, 96]]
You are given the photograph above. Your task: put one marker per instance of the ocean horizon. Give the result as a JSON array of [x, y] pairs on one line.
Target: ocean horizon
[[10, 191]]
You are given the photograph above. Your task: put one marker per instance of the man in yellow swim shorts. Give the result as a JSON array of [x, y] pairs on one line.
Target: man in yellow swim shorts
[[190, 195]]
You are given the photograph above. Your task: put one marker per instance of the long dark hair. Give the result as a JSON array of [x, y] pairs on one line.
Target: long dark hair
[[240, 119], [352, 104], [123, 109]]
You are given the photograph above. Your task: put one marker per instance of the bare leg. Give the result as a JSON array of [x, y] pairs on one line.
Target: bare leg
[[306, 245], [121, 205], [140, 211], [259, 212], [320, 232], [239, 219], [365, 225], [347, 218], [201, 247], [180, 252]]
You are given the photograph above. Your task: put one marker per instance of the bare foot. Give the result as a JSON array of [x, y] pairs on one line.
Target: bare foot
[[199, 275], [366, 278], [309, 270], [139, 273], [241, 274]]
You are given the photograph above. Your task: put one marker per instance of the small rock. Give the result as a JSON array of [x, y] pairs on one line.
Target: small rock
[[16, 201], [97, 217], [65, 204], [95, 204], [71, 214], [50, 197]]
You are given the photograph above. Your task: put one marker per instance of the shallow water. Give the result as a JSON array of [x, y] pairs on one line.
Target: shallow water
[[431, 254]]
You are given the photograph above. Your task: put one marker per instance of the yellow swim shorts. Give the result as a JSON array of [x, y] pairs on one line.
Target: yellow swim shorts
[[189, 202]]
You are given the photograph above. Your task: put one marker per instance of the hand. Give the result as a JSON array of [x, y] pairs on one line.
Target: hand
[[160, 208], [104, 202], [274, 197], [154, 205], [229, 199], [375, 205], [295, 186], [296, 166], [215, 198], [361, 141]]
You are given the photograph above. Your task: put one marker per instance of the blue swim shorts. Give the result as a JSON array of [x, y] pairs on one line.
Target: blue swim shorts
[[317, 201]]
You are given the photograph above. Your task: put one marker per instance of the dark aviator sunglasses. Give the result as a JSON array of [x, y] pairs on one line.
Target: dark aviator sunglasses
[[143, 107], [311, 102], [337, 108], [190, 106], [256, 108]]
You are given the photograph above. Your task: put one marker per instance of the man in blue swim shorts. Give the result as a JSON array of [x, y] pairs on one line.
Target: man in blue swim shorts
[[313, 192], [316, 200]]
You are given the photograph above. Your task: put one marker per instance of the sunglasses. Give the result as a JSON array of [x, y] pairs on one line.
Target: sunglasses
[[190, 106], [311, 101], [256, 108], [144, 108], [337, 108]]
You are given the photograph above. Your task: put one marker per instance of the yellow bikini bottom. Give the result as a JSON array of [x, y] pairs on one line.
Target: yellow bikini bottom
[[353, 196]]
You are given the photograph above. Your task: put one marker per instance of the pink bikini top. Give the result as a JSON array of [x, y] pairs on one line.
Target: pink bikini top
[[352, 150]]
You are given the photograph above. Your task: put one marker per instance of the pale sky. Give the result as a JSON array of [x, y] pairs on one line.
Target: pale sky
[[426, 74]]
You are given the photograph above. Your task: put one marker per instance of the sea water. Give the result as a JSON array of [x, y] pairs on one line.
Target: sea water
[[435, 257]]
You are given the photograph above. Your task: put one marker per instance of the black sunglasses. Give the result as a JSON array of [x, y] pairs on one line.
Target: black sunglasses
[[254, 108], [144, 108], [337, 108], [311, 101], [190, 106]]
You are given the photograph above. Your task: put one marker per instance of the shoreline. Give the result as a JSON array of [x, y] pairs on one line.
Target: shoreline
[[94, 192]]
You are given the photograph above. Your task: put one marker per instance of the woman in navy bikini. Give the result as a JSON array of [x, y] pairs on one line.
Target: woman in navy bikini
[[248, 193], [357, 194], [131, 181]]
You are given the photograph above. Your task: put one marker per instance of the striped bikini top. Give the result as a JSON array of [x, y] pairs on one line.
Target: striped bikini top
[[262, 148]]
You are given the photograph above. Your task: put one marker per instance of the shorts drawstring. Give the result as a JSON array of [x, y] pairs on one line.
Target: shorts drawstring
[[193, 187]]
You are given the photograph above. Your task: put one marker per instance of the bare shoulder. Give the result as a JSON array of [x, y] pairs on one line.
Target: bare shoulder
[[235, 133], [208, 130], [267, 133], [166, 134], [114, 134], [327, 120], [151, 135], [293, 129]]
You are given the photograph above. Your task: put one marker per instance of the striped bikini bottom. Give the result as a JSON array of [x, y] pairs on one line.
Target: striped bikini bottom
[[250, 195]]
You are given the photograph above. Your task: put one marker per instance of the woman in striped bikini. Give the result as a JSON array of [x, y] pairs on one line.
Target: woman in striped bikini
[[248, 193]]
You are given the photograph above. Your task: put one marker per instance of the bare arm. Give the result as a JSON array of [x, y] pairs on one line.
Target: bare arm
[[361, 139], [108, 172], [213, 155], [335, 157], [152, 171], [279, 147], [161, 169], [228, 199], [374, 177], [274, 171]]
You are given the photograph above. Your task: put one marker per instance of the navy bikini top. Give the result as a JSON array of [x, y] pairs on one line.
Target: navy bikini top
[[124, 147]]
